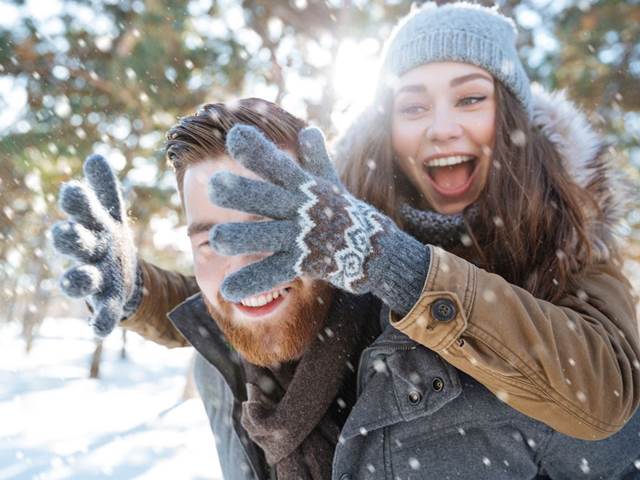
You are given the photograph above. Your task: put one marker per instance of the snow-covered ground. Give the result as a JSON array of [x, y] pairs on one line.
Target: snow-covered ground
[[56, 423]]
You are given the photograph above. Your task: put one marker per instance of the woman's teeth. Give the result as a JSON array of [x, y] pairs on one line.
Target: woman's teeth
[[449, 161], [261, 300]]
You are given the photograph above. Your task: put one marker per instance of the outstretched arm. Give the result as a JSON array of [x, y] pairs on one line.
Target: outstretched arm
[[163, 290], [573, 364], [317, 229]]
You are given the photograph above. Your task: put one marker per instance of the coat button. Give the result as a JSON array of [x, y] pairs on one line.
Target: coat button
[[443, 310], [414, 397], [438, 384]]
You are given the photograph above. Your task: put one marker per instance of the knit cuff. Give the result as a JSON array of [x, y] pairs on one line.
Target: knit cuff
[[133, 303], [399, 273]]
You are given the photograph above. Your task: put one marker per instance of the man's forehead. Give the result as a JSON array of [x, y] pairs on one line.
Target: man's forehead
[[199, 173], [201, 213], [209, 165]]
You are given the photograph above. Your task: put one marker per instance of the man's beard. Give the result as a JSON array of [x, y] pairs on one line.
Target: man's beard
[[283, 337]]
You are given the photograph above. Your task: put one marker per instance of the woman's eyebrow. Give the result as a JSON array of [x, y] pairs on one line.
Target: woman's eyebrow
[[419, 88], [467, 78], [412, 88]]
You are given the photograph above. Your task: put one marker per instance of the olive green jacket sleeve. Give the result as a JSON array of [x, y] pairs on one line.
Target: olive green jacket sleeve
[[163, 290], [574, 365]]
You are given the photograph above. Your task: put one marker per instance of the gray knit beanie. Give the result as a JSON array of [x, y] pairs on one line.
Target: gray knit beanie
[[461, 32]]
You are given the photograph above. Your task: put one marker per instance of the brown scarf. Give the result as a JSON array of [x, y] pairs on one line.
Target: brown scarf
[[295, 412]]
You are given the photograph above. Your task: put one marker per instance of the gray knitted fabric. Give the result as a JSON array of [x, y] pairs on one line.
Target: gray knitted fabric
[[98, 236], [460, 32], [318, 228], [446, 231]]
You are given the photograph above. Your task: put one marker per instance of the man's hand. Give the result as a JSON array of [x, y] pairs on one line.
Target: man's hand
[[98, 237]]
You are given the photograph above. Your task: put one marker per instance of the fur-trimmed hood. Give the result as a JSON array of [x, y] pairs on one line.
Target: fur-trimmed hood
[[587, 159]]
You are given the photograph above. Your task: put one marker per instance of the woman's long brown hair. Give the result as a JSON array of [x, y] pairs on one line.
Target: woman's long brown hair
[[533, 223]]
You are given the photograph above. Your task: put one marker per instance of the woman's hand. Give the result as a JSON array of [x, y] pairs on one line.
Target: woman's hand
[[318, 228]]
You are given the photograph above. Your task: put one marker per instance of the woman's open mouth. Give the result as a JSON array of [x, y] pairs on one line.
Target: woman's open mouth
[[453, 175]]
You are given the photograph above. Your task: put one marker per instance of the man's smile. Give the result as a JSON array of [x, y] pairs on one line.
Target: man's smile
[[263, 304]]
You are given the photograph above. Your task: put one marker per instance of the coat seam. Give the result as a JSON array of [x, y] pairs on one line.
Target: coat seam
[[386, 453], [472, 288], [448, 338], [434, 434], [433, 267]]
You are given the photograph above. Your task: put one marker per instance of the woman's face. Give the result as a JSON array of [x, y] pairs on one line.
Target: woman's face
[[443, 130]]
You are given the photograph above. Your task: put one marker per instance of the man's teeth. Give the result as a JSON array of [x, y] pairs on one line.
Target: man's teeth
[[449, 161], [260, 300]]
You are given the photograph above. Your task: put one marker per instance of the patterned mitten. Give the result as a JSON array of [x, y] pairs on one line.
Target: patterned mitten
[[317, 229], [99, 238]]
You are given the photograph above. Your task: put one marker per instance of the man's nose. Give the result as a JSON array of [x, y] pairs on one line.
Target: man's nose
[[238, 261]]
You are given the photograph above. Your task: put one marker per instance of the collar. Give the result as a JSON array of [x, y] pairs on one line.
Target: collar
[[191, 318]]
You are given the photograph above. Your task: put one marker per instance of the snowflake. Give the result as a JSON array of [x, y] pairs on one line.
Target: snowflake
[[584, 466]]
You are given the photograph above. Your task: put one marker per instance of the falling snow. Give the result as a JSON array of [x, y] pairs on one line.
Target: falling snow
[[584, 466], [518, 138]]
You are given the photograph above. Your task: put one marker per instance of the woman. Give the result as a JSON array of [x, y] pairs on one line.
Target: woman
[[462, 136]]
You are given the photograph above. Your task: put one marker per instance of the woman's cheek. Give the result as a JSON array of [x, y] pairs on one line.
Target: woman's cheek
[[407, 137], [482, 128]]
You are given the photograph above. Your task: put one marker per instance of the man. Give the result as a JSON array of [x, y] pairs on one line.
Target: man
[[303, 381], [302, 338], [305, 334]]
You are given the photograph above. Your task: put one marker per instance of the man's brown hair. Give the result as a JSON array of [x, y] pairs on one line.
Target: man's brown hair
[[203, 135]]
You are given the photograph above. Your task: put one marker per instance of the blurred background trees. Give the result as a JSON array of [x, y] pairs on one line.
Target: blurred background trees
[[83, 76]]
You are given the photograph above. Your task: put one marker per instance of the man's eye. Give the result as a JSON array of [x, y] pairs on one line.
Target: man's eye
[[413, 110], [204, 246], [470, 100]]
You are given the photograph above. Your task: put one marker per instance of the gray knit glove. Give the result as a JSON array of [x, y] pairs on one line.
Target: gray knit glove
[[99, 238], [318, 228]]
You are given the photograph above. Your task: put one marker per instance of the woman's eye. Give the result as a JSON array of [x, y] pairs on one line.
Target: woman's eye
[[470, 100]]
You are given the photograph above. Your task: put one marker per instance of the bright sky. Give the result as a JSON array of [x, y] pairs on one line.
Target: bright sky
[[355, 64]]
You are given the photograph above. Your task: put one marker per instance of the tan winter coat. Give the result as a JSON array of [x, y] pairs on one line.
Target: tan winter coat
[[574, 365]]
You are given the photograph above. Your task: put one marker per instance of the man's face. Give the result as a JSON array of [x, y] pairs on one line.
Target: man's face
[[269, 328]]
